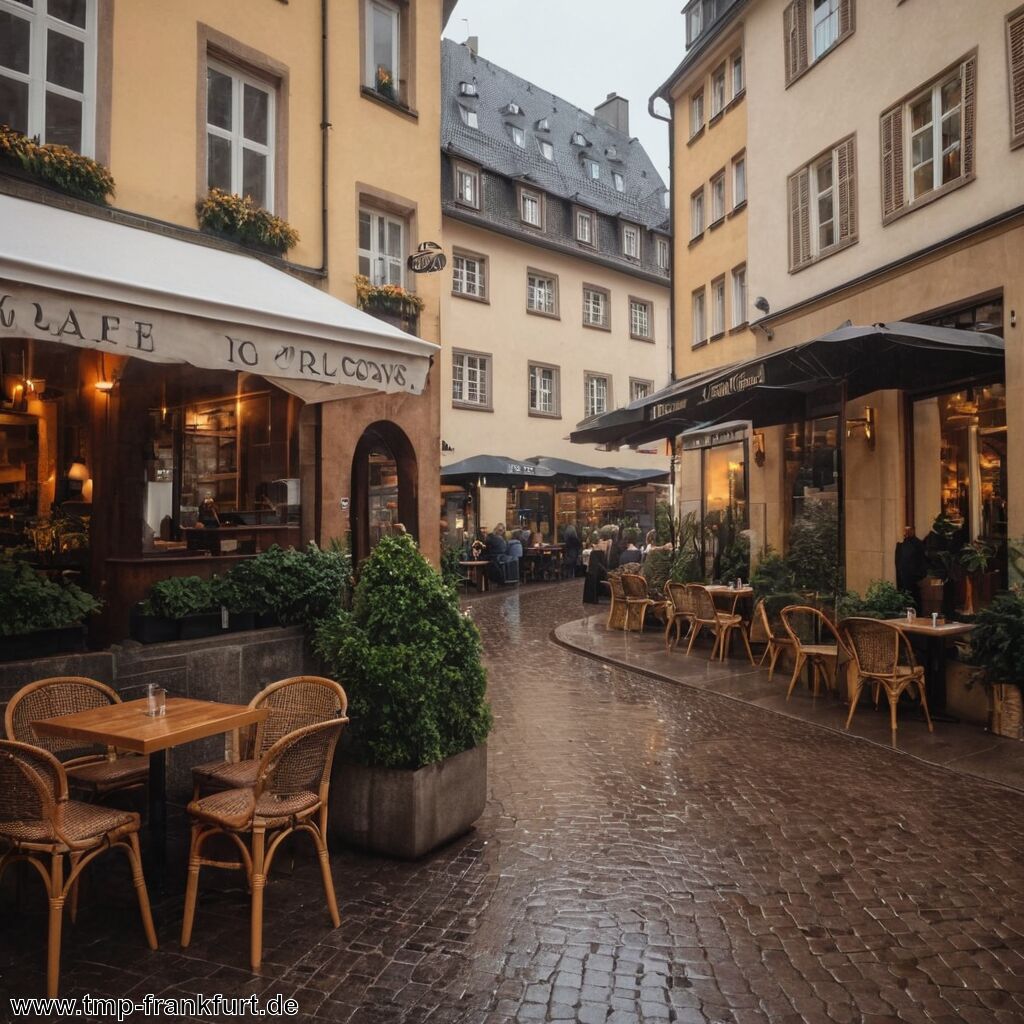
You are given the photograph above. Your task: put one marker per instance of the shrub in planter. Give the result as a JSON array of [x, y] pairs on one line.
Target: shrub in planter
[[814, 547], [997, 649], [188, 600], [387, 298], [772, 575], [54, 165], [657, 569], [242, 220], [882, 600], [299, 587]]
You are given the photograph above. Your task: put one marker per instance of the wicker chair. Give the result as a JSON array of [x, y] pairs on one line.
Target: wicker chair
[[722, 624], [877, 648], [39, 824], [638, 600], [290, 795], [93, 771], [806, 627], [680, 611], [775, 641], [293, 703], [617, 611]]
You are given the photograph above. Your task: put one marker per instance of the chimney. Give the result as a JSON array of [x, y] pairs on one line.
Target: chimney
[[473, 45], [614, 111]]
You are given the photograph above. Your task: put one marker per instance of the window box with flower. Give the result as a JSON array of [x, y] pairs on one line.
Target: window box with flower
[[55, 166], [241, 220], [389, 302]]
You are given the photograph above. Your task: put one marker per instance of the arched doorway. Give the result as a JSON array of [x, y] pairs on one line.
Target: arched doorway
[[384, 486]]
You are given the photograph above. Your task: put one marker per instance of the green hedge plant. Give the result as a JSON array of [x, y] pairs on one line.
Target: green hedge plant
[[179, 597], [772, 575], [409, 660], [882, 600], [997, 642], [30, 602]]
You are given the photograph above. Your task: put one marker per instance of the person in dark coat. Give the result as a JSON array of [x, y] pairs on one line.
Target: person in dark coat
[[570, 551], [497, 549], [911, 564], [597, 573]]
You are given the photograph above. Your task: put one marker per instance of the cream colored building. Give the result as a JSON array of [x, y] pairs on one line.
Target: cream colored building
[[556, 300]]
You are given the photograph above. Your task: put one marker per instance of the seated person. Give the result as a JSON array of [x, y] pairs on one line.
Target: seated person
[[496, 550], [515, 547], [630, 554]]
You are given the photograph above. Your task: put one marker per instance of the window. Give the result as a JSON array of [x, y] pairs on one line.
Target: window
[[381, 247], [739, 296], [700, 334], [618, 181], [596, 392], [469, 117], [518, 135], [694, 22], [823, 205], [48, 71], [531, 208], [468, 89], [631, 241], [737, 73], [1015, 58], [469, 275], [467, 185], [579, 139], [546, 149], [739, 180], [718, 197], [471, 379], [512, 108], [697, 213], [544, 390], [640, 319], [696, 112], [541, 294], [239, 134], [595, 307], [812, 29], [639, 389], [592, 169], [383, 53], [542, 125], [585, 227], [718, 91], [718, 307], [927, 141], [663, 253]]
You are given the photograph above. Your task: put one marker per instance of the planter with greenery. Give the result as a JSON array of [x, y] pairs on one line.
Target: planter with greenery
[[188, 601], [56, 166], [414, 770], [882, 600], [997, 650], [813, 555], [977, 585], [389, 299], [39, 617], [241, 220]]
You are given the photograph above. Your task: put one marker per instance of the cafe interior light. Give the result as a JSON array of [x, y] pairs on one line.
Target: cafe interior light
[[105, 386], [78, 470]]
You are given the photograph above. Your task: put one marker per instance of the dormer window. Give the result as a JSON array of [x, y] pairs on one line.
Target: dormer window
[[512, 108], [592, 169], [518, 135], [468, 89], [579, 139], [546, 149], [612, 153], [469, 117], [542, 125], [618, 182]]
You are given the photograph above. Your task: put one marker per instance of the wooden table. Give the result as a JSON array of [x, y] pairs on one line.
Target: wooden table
[[126, 726], [935, 667], [723, 590], [477, 573], [540, 554]]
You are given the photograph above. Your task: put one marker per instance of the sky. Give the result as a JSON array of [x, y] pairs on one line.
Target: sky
[[582, 50]]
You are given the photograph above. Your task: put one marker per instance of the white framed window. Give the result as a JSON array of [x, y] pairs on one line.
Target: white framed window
[[240, 134], [518, 135], [718, 91], [543, 398], [546, 149], [718, 307], [738, 83], [48, 71], [471, 379], [512, 108], [936, 135], [541, 293], [739, 180], [382, 48], [631, 241], [469, 117], [467, 185], [697, 213], [824, 25], [595, 307], [739, 296], [579, 139], [592, 169], [596, 394], [381, 247], [639, 389], [543, 125], [585, 227], [531, 209], [699, 319], [639, 319], [664, 253], [618, 181], [469, 275], [468, 89], [823, 203], [696, 112], [718, 197]]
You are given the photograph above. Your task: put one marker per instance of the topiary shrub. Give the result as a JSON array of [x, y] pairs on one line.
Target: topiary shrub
[[409, 661], [882, 600]]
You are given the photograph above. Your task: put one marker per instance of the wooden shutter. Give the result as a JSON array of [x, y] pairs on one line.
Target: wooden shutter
[[969, 81], [799, 218], [892, 161], [794, 24], [847, 17], [1015, 57], [846, 187]]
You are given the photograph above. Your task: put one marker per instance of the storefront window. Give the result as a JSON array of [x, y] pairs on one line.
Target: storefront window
[[458, 517], [812, 462], [725, 502], [531, 510]]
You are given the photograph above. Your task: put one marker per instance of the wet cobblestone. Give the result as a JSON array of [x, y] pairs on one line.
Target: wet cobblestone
[[649, 853]]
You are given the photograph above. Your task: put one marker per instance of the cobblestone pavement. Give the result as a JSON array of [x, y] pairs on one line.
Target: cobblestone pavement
[[650, 853]]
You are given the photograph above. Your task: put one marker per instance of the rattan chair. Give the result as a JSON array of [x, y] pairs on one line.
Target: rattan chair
[[877, 647], [292, 703], [93, 771], [39, 824], [290, 795], [638, 600], [617, 611], [775, 641], [807, 627], [722, 624], [679, 612]]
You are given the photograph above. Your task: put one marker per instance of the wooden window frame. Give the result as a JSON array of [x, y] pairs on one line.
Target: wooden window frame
[[797, 25], [663, 244], [739, 158], [405, 100], [1015, 74], [802, 234]]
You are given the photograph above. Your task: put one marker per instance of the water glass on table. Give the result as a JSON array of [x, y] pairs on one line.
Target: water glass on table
[[156, 698]]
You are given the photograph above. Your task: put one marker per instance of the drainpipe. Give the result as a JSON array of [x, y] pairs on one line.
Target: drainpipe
[[672, 262], [325, 127]]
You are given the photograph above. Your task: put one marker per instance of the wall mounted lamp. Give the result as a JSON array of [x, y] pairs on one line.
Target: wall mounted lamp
[[758, 446], [865, 423], [105, 387]]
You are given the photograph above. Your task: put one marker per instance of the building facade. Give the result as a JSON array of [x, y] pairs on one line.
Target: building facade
[[302, 108], [556, 306]]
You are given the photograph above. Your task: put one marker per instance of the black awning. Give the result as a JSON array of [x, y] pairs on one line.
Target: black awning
[[494, 471], [570, 472], [771, 389]]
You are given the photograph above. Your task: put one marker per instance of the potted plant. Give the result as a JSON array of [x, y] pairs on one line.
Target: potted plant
[[38, 616], [413, 774], [997, 649], [386, 83], [977, 584], [58, 167], [235, 601], [936, 588], [187, 600], [242, 220], [882, 600]]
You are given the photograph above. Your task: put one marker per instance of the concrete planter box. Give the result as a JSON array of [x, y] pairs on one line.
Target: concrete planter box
[[406, 814]]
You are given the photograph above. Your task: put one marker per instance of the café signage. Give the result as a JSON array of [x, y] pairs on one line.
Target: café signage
[[427, 259], [742, 380], [710, 438], [520, 469], [164, 336]]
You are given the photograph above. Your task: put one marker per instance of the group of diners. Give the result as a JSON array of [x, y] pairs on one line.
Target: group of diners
[[608, 549]]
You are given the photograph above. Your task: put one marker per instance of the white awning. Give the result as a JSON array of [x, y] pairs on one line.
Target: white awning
[[85, 281]]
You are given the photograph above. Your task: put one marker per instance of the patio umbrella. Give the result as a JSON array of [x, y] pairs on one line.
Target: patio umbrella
[[494, 471]]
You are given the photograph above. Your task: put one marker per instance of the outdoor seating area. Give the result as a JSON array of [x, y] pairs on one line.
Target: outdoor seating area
[[77, 757]]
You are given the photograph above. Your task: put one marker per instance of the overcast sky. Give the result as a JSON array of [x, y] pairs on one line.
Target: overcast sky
[[584, 49]]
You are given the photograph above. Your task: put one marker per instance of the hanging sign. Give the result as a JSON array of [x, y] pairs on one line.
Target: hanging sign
[[427, 259]]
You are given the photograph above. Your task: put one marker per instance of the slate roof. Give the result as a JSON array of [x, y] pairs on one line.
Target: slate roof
[[491, 145]]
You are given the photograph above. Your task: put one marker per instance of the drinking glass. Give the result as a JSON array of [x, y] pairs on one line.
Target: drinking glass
[[911, 615], [157, 699]]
